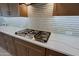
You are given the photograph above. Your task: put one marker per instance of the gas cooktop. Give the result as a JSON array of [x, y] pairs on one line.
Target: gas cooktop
[[38, 35]]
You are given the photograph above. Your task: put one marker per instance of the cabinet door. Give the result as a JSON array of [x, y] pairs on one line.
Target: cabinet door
[[53, 53], [21, 50], [10, 44], [23, 10], [13, 10], [2, 40], [25, 48], [9, 9], [35, 52]]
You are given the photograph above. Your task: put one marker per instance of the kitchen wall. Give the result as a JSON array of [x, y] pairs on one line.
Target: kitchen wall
[[64, 25], [16, 21], [58, 24], [2, 21], [39, 12]]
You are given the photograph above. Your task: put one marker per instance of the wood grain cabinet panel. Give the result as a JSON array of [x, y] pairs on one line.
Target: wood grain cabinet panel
[[2, 40], [21, 50], [66, 9], [34, 52], [10, 44], [7, 43], [19, 47], [23, 10], [54, 53], [24, 48], [9, 9]]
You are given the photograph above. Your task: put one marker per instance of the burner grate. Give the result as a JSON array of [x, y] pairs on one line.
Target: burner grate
[[38, 35]]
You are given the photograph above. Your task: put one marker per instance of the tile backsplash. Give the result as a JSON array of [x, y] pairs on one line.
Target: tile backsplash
[[68, 25], [40, 10], [1, 21], [16, 21]]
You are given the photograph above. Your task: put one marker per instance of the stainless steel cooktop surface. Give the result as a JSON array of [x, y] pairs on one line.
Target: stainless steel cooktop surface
[[41, 36]]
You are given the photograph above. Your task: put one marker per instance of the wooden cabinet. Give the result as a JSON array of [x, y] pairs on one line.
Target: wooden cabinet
[[10, 45], [24, 48], [2, 41], [19, 47], [23, 10], [9, 9], [34, 50], [54, 53], [66, 9], [7, 43]]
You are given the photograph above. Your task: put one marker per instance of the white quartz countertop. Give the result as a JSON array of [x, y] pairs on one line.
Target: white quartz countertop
[[62, 43]]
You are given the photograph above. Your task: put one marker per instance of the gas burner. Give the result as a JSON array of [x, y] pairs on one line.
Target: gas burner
[[38, 35]]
